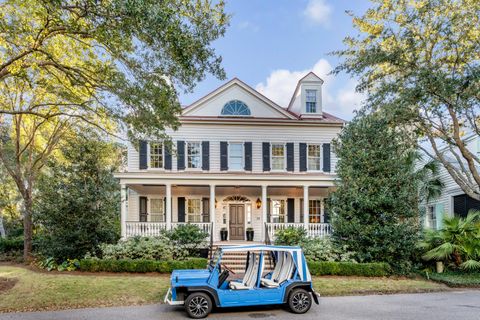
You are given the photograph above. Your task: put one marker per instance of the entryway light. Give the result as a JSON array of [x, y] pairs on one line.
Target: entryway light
[[259, 203]]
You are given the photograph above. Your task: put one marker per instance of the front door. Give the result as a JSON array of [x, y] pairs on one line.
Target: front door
[[237, 221]]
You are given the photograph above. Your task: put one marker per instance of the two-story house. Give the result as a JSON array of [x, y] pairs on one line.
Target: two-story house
[[239, 161]]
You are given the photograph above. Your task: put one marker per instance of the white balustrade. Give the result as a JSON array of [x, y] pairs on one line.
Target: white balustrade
[[315, 230], [204, 226], [152, 229]]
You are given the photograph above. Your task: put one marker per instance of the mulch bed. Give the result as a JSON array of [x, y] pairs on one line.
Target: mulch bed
[[7, 284]]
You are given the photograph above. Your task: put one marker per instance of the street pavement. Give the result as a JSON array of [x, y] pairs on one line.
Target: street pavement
[[461, 305]]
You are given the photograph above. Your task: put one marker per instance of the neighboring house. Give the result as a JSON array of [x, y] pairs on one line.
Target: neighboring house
[[239, 161], [452, 201]]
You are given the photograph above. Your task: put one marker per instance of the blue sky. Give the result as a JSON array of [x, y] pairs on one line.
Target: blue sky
[[270, 44]]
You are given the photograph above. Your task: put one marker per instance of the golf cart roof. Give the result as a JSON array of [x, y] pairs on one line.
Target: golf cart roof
[[261, 247]]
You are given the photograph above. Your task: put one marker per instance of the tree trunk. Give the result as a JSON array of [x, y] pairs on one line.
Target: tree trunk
[[2, 229], [27, 226]]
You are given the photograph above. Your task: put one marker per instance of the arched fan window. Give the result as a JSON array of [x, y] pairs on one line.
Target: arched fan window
[[236, 199], [235, 108]]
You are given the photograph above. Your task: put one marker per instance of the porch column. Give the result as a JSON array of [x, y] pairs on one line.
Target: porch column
[[212, 209], [168, 206], [264, 211], [123, 210], [305, 207]]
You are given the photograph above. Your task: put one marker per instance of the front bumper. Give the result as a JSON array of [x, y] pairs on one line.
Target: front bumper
[[168, 299]]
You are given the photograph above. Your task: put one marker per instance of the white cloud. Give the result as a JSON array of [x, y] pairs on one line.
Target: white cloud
[[338, 99], [318, 12], [247, 25]]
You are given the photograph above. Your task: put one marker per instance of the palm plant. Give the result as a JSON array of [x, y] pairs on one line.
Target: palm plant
[[429, 184], [457, 243]]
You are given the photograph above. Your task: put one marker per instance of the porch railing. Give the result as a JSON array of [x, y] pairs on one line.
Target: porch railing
[[315, 230], [151, 229]]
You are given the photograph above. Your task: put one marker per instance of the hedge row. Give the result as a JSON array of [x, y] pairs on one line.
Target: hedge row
[[325, 268], [11, 244], [141, 266]]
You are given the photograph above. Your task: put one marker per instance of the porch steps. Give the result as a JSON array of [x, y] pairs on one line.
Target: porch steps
[[237, 260]]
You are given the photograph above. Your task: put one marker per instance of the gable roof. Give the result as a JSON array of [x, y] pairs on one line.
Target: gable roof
[[237, 82], [311, 73]]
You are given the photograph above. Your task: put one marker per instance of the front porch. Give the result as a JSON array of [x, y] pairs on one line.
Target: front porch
[[148, 209]]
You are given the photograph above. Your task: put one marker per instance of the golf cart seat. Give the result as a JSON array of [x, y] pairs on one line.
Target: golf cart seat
[[272, 282], [285, 272], [250, 276]]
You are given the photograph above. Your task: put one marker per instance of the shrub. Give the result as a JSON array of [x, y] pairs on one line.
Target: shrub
[[456, 279], [140, 265], [11, 244], [329, 268], [187, 237], [290, 236], [326, 250]]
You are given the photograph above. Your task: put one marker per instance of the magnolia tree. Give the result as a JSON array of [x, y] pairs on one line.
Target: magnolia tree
[[70, 65], [419, 61]]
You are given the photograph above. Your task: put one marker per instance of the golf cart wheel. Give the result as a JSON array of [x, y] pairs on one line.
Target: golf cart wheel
[[299, 301], [198, 305]]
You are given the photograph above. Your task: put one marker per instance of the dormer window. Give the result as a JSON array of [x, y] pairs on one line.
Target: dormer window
[[235, 108], [311, 101]]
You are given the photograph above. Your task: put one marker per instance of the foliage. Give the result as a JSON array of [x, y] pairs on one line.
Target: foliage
[[419, 63], [188, 238], [11, 244], [78, 202], [375, 206], [457, 244], [456, 279], [326, 250], [140, 265], [145, 248], [330, 268], [290, 236]]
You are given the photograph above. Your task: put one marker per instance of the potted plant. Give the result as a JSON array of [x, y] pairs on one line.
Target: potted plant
[[223, 234], [250, 234]]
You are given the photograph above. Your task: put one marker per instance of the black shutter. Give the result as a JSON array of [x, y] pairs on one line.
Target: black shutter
[[181, 209], [303, 157], [168, 158], [290, 157], [291, 210], [326, 157], [205, 155], [205, 209], [223, 155], [180, 155], [266, 156], [142, 150], [142, 209], [248, 156], [268, 209], [326, 214]]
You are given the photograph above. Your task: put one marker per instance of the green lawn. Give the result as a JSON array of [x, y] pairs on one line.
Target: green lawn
[[47, 291]]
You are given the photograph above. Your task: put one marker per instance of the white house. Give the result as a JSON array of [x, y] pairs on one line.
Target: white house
[[239, 161], [453, 200]]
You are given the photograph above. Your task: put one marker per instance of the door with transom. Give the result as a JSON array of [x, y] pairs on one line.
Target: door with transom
[[237, 222]]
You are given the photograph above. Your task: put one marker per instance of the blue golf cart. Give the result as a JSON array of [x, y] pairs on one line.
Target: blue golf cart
[[288, 283]]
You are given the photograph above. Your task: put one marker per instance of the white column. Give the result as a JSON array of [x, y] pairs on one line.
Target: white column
[[168, 206], [305, 207], [123, 210], [264, 211], [212, 209]]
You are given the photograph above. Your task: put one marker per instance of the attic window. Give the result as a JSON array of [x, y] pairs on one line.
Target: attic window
[[235, 108]]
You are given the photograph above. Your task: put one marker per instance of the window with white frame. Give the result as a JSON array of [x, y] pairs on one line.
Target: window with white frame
[[431, 217], [278, 156], [315, 211], [156, 155], [311, 101], [157, 210], [194, 155], [235, 156], [194, 210], [277, 214], [314, 157]]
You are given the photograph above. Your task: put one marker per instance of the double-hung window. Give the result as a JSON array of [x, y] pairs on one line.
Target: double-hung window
[[278, 156], [314, 157], [278, 211], [311, 101], [156, 155], [157, 210], [315, 211], [194, 155], [235, 156], [431, 217], [194, 210]]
